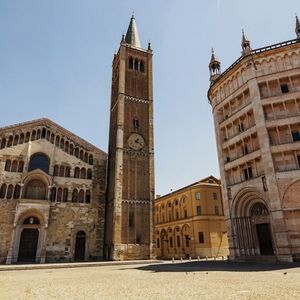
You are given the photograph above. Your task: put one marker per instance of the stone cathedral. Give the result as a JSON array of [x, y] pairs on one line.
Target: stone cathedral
[[63, 199]]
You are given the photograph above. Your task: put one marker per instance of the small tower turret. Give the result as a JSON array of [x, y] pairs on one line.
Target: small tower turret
[[297, 28], [245, 44], [214, 67]]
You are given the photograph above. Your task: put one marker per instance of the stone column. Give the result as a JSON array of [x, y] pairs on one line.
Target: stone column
[[11, 247]]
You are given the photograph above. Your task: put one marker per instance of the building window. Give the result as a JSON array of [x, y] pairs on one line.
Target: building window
[[157, 242], [199, 211], [136, 123], [177, 213], [284, 88], [216, 210], [88, 197], [241, 127], [198, 195], [39, 161], [131, 63], [178, 241], [248, 173], [201, 237], [245, 150], [185, 213], [215, 196], [142, 68], [296, 136], [171, 242], [3, 191]]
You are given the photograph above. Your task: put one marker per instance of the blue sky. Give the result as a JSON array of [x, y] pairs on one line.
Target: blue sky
[[55, 62]]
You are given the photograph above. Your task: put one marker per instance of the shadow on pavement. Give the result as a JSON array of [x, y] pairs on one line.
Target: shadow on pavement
[[224, 266]]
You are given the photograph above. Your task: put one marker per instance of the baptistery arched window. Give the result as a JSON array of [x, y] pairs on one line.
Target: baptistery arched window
[[39, 161]]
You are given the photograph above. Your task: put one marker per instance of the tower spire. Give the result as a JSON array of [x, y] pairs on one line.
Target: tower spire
[[245, 44], [297, 28], [132, 35], [214, 66]]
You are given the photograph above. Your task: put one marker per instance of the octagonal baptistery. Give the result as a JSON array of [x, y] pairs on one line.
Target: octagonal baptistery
[[256, 109], [52, 195]]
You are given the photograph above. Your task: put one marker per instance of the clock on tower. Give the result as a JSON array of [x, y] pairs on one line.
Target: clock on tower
[[130, 186]]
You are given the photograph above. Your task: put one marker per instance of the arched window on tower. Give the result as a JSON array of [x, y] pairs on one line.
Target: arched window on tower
[[142, 66], [91, 159], [131, 63], [39, 161], [136, 64]]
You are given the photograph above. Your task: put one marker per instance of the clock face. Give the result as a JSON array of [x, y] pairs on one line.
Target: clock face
[[136, 141]]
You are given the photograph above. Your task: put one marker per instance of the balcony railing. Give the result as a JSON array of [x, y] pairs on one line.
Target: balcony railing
[[229, 159], [282, 115], [287, 168], [280, 93], [283, 141], [259, 174], [226, 139], [239, 108]]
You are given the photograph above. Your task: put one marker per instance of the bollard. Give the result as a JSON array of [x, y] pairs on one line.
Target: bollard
[[190, 259], [222, 257], [181, 259], [206, 257], [172, 259], [198, 258], [214, 258]]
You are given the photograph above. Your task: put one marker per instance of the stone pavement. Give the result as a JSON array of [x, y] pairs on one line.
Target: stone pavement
[[167, 280]]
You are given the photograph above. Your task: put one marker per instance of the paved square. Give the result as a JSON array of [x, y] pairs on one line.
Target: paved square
[[190, 280]]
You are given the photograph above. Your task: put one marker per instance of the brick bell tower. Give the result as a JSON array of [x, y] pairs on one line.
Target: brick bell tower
[[130, 186]]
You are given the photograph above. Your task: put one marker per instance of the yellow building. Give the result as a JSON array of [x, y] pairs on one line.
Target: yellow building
[[190, 221]]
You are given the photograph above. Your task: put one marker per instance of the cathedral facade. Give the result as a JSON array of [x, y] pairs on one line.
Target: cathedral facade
[[63, 199]]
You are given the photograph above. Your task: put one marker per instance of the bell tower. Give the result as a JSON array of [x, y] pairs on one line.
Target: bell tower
[[130, 186]]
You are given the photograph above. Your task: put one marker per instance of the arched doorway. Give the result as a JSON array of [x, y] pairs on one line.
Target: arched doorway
[[251, 227], [29, 240], [80, 246], [260, 217]]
